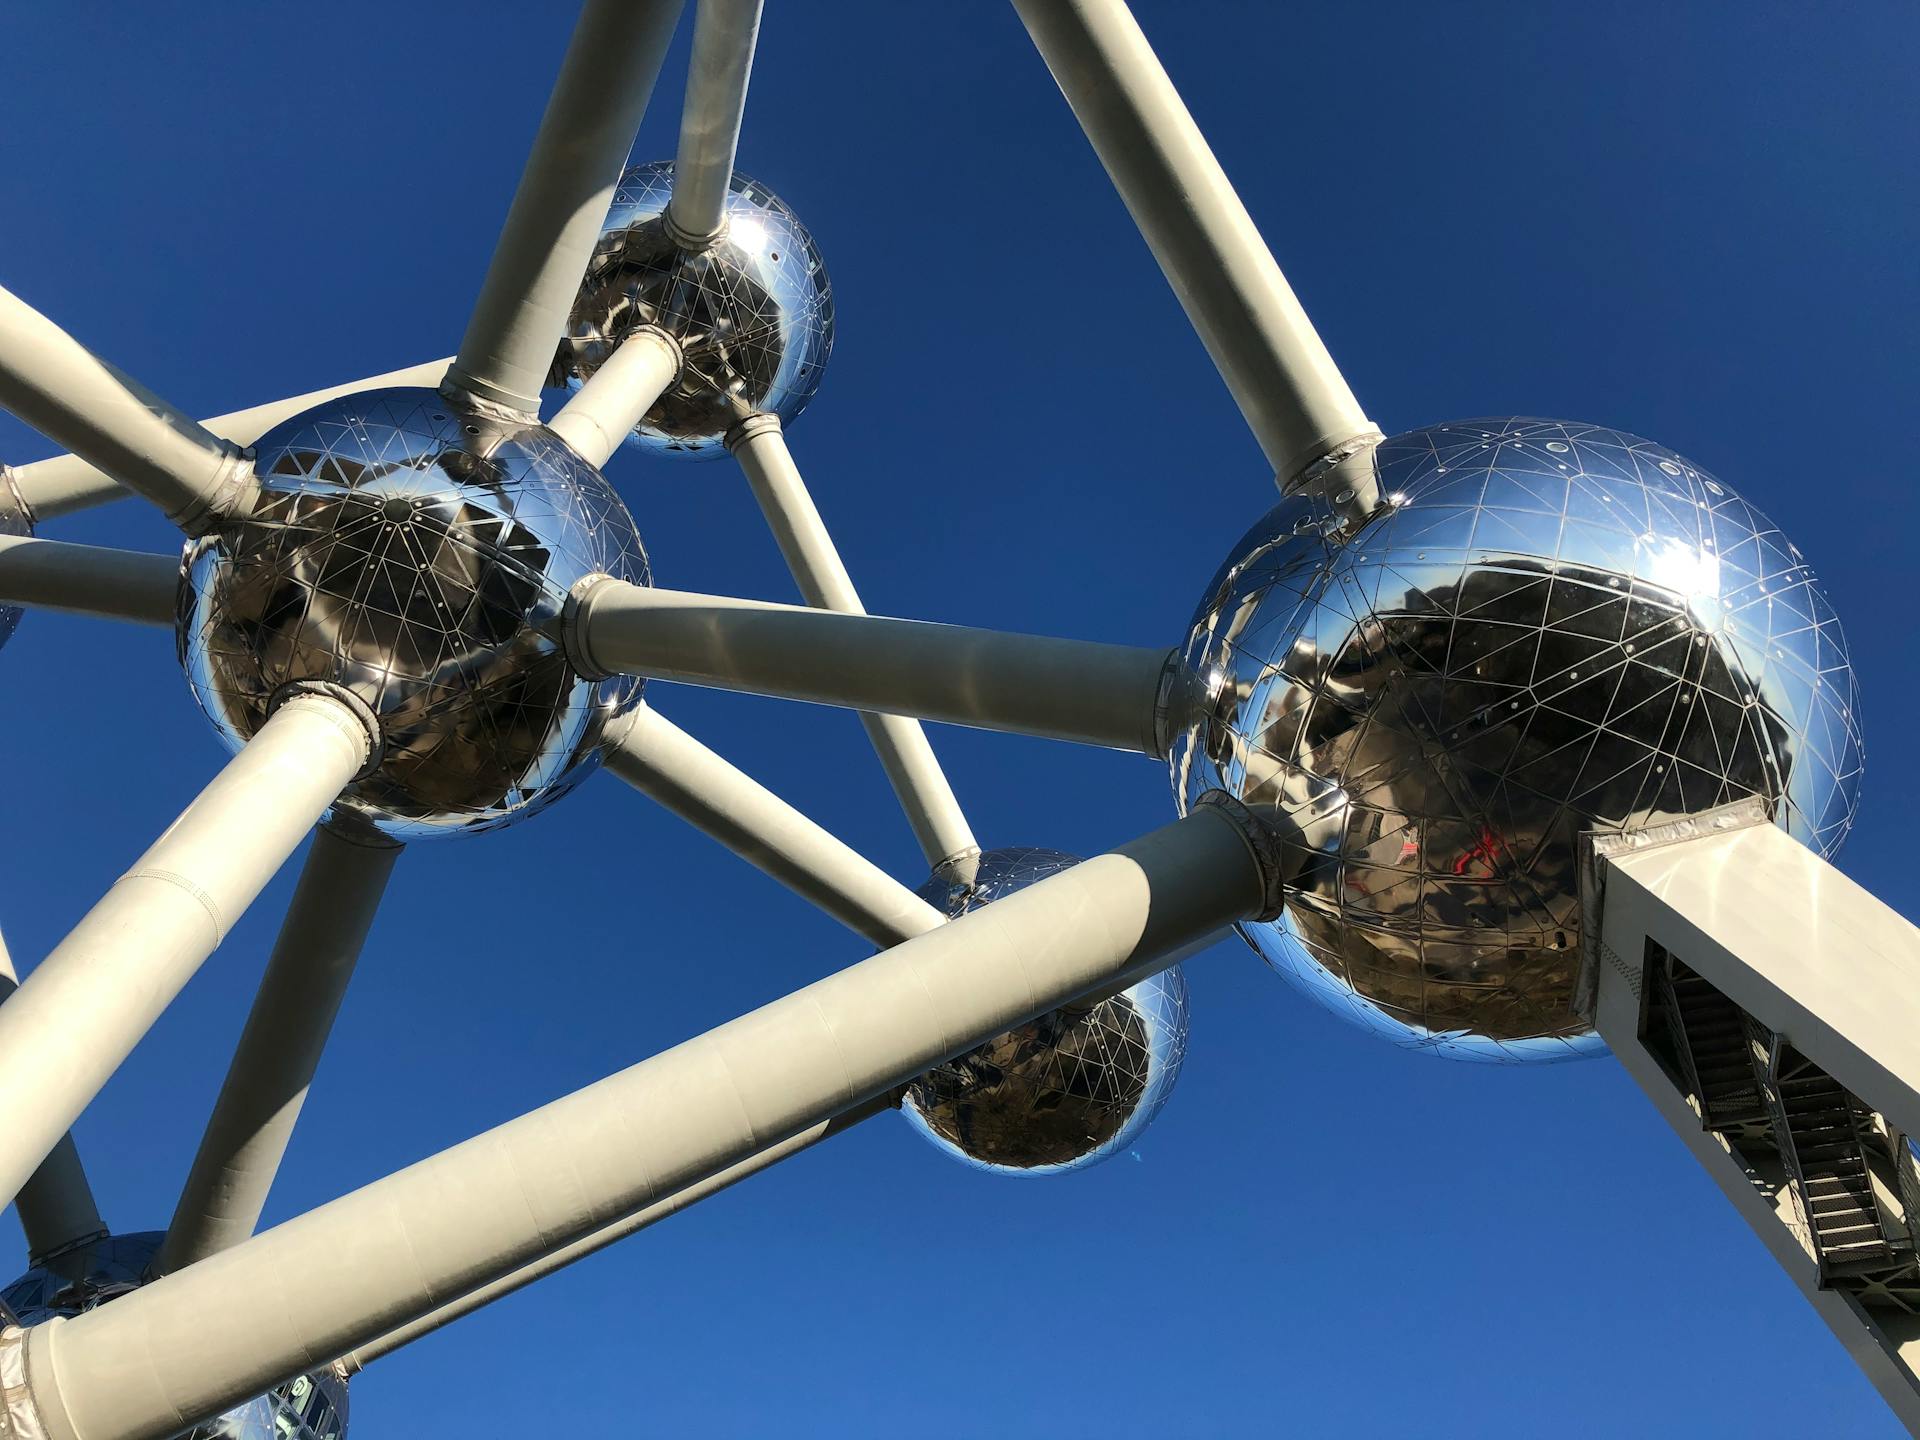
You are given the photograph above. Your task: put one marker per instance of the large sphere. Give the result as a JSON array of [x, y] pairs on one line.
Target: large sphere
[[1067, 1090], [753, 313], [1551, 628], [418, 554], [308, 1407], [14, 521]]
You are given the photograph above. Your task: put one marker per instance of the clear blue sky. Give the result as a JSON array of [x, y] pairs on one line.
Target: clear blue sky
[[1694, 222]]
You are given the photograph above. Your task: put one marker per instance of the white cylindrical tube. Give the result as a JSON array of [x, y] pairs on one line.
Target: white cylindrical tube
[[163, 1357], [565, 191], [84, 1008], [88, 580], [1094, 694], [280, 1047], [618, 395], [724, 35], [663, 762]]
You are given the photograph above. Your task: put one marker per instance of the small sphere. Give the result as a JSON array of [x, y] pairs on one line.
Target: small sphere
[[1062, 1092], [1550, 628], [753, 313], [307, 1407], [15, 520], [419, 554]]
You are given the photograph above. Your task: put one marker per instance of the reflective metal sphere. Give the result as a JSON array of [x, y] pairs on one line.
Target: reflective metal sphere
[[753, 313], [308, 1407], [1553, 627], [418, 554], [14, 520], [1064, 1091]]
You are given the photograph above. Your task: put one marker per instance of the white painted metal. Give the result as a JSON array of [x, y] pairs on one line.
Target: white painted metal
[[76, 399], [66, 483], [565, 191], [1076, 690], [607, 1235], [88, 580], [56, 1206], [204, 1338], [663, 762], [1281, 376], [280, 1047], [619, 394], [930, 804], [84, 1008], [1809, 954], [724, 35]]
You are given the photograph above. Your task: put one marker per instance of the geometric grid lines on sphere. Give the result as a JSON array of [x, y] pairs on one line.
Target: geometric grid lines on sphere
[[752, 313], [419, 554], [1549, 628], [307, 1407], [15, 520], [1062, 1092]]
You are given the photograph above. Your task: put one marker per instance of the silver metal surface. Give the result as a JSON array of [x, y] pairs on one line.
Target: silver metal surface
[[417, 553], [1062, 1092], [1552, 628], [308, 1407], [753, 313]]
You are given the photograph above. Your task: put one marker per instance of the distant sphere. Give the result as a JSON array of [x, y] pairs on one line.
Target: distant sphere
[[753, 313], [1064, 1091], [418, 554], [14, 520], [308, 1407], [1552, 628]]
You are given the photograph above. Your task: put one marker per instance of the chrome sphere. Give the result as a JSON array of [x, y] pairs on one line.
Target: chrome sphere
[[418, 554], [1064, 1091], [1549, 628], [753, 313], [308, 1407], [14, 520]]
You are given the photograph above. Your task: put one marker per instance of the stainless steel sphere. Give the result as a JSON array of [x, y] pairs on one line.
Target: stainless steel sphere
[[753, 313], [1067, 1090], [308, 1407], [418, 554], [1551, 628], [14, 520]]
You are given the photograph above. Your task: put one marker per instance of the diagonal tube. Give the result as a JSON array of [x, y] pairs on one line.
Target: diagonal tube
[[619, 1230], [188, 1346], [126, 960], [1119, 696], [1282, 378], [931, 806], [724, 35], [56, 1205], [280, 1047], [616, 398], [565, 191], [66, 483], [88, 580], [666, 764]]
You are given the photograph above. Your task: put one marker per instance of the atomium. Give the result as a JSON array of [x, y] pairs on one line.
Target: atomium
[[752, 313], [307, 1407], [417, 554], [1067, 1090], [1550, 628]]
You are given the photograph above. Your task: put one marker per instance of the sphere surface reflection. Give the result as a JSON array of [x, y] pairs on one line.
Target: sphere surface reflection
[[308, 1407], [1064, 1091], [753, 313], [1552, 627], [419, 555], [14, 520]]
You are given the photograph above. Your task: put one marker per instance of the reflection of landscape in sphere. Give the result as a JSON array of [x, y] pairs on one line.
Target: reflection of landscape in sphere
[[418, 554], [1555, 627], [1064, 1091], [308, 1407], [753, 313], [13, 521]]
